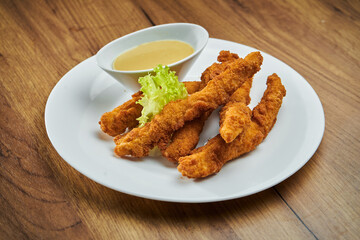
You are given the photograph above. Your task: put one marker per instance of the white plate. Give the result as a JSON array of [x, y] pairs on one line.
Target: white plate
[[79, 99]]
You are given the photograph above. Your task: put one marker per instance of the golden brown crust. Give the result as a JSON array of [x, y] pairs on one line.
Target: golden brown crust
[[264, 114], [210, 158], [139, 141], [185, 139], [242, 94], [235, 116], [125, 116], [122, 117], [225, 58], [234, 119]]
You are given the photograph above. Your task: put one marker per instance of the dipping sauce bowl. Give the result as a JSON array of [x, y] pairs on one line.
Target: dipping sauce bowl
[[192, 34]]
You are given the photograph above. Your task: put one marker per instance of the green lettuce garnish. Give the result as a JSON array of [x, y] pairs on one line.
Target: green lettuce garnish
[[158, 90]]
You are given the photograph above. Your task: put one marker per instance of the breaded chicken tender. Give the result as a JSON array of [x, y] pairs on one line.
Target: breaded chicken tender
[[235, 116], [234, 119], [139, 141], [210, 158], [125, 116], [265, 113], [192, 86], [225, 58], [184, 140], [122, 117]]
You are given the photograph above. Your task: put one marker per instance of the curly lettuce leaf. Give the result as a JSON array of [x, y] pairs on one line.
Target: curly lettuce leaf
[[158, 90]]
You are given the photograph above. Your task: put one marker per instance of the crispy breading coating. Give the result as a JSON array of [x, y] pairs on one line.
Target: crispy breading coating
[[210, 158], [124, 116], [235, 116], [225, 58], [192, 86], [264, 114], [185, 139], [139, 141], [234, 119]]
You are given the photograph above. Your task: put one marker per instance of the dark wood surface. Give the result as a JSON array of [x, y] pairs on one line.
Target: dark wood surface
[[42, 197]]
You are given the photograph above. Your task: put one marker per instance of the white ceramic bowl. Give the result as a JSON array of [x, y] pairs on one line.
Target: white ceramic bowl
[[192, 34]]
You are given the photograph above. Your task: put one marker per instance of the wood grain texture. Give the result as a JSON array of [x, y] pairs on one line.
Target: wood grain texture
[[42, 197]]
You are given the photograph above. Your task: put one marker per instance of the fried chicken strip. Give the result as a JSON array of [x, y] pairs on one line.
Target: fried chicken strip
[[192, 86], [225, 58], [184, 140], [210, 158], [139, 141], [235, 116], [124, 116]]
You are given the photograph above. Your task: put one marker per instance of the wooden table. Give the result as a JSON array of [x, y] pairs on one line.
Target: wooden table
[[42, 197]]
